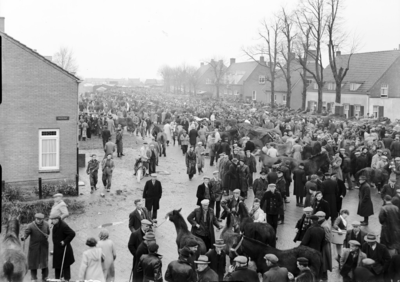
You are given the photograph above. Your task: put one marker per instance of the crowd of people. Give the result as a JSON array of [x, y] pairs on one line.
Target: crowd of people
[[363, 154]]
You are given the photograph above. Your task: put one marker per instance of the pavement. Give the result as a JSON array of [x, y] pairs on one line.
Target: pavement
[[178, 192]]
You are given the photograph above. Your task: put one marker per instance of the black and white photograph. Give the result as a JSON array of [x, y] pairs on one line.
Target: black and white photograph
[[200, 141]]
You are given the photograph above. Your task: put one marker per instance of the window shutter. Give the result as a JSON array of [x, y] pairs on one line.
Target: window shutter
[[381, 111], [361, 111], [339, 110], [351, 111], [309, 105]]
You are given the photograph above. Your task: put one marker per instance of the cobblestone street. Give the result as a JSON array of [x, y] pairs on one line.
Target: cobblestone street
[[178, 192]]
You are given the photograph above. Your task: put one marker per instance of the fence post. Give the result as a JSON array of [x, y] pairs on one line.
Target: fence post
[[77, 183], [2, 188], [40, 188]]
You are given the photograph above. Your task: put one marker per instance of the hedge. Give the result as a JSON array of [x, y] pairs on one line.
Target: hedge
[[27, 210], [48, 190]]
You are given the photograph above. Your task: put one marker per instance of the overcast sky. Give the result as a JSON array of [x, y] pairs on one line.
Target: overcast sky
[[127, 38]]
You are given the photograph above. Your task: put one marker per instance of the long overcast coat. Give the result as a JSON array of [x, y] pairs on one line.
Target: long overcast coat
[[62, 232], [38, 254]]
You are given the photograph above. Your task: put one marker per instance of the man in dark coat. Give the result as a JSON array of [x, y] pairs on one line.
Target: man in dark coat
[[305, 275], [361, 161], [119, 142], [354, 234], [275, 272], [181, 270], [387, 141], [38, 254], [260, 185], [365, 207], [204, 272], [315, 235], [224, 148], [136, 237], [231, 203], [105, 135], [272, 176], [378, 252], [203, 190], [330, 192], [151, 264], [390, 221], [396, 199], [287, 175], [202, 220], [395, 148], [240, 272], [303, 224], [193, 137], [217, 258], [272, 204], [152, 194], [148, 238], [299, 178], [233, 175], [136, 217], [62, 237]]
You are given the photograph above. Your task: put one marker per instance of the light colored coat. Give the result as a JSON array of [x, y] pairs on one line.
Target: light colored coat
[[259, 215], [108, 248], [91, 267], [60, 209]]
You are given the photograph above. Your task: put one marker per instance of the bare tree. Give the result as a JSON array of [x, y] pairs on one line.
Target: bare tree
[[65, 58], [312, 15], [286, 51], [336, 39], [167, 74], [193, 78], [269, 34], [218, 69]]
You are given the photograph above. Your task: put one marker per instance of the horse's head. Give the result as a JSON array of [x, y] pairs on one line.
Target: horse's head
[[236, 249], [173, 214]]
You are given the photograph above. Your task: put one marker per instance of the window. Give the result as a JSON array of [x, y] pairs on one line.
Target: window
[[309, 81], [384, 90], [49, 149], [284, 98], [357, 108], [208, 81], [354, 86], [261, 79], [331, 86], [254, 96], [315, 86], [346, 107], [376, 111]]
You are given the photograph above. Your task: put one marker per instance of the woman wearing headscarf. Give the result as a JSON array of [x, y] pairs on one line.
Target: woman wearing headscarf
[[91, 265], [108, 248]]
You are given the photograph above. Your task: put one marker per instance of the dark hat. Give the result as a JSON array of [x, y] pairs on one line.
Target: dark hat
[[91, 242], [263, 172], [314, 217], [39, 215], [152, 247], [184, 252]]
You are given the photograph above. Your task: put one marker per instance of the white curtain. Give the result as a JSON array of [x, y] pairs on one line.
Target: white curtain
[[49, 152]]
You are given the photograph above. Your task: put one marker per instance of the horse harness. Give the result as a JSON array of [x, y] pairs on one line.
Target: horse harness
[[237, 246]]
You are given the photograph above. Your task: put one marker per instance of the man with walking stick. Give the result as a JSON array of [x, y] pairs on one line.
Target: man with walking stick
[[63, 256]]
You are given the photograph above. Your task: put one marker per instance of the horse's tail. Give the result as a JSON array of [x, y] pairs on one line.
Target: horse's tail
[[8, 269]]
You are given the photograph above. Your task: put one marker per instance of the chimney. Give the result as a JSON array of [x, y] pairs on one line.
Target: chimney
[[2, 20], [233, 60], [262, 60], [338, 53], [201, 64]]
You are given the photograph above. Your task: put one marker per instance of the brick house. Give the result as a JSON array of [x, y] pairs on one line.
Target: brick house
[[371, 85], [206, 79], [39, 116]]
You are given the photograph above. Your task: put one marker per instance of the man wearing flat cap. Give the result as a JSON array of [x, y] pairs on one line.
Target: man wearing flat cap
[[60, 207], [351, 258], [305, 275], [231, 204], [275, 273], [272, 204], [379, 253], [303, 224], [314, 236], [233, 175], [138, 215], [92, 170], [181, 270], [202, 220], [240, 272], [216, 194], [136, 237], [365, 207], [62, 236], [151, 265], [354, 234], [148, 239], [38, 254], [260, 185], [203, 190], [152, 193], [204, 272]]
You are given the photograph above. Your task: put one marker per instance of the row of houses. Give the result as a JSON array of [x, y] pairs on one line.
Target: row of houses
[[371, 86]]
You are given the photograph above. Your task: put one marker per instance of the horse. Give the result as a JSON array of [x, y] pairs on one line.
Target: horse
[[259, 231], [12, 258], [311, 149], [230, 135], [269, 161], [183, 235], [256, 250], [229, 236], [317, 162], [378, 177]]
